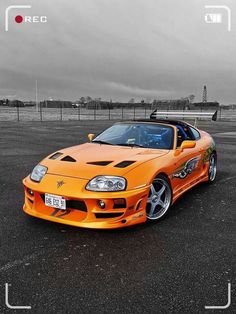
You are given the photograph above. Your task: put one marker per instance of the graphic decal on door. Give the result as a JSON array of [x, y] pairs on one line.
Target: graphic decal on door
[[209, 152], [186, 168]]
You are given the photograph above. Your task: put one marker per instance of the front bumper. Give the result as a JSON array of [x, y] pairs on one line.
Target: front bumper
[[83, 208]]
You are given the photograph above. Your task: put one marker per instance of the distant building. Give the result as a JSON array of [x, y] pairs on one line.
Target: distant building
[[175, 104], [56, 104], [230, 106], [99, 104], [207, 105], [15, 103], [29, 103], [11, 103]]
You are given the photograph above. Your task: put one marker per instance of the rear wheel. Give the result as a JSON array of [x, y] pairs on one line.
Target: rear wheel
[[212, 168], [159, 198]]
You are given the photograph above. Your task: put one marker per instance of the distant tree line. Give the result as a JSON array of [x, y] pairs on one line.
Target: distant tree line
[[88, 102]]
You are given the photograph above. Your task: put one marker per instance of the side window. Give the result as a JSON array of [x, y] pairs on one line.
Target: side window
[[186, 133], [181, 136], [196, 134], [189, 134]]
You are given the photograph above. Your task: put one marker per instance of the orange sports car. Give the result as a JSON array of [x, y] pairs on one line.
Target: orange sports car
[[132, 172]]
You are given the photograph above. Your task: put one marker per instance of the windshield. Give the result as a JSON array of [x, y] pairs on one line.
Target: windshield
[[146, 135]]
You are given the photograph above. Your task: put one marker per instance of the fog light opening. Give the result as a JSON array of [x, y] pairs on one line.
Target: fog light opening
[[123, 221], [101, 204], [119, 203]]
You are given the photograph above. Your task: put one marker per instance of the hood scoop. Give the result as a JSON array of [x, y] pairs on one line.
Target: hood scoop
[[124, 163], [99, 163], [56, 155], [68, 158]]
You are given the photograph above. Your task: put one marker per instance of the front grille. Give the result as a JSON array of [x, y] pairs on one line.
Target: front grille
[[108, 215], [72, 204]]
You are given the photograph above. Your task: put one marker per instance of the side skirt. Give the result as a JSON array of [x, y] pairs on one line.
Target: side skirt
[[202, 178]]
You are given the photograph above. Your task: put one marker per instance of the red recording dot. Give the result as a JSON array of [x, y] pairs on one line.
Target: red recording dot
[[19, 19]]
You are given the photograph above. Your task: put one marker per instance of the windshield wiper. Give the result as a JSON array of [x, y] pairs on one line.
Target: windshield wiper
[[130, 145], [102, 142]]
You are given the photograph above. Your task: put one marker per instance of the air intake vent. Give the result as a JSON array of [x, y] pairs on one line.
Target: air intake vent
[[99, 163], [55, 156], [108, 215], [124, 164], [75, 204], [68, 158], [119, 203]]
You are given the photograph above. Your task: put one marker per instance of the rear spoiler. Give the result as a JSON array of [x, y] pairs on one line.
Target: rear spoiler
[[184, 114]]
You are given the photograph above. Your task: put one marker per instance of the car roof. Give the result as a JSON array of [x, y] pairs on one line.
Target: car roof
[[162, 121]]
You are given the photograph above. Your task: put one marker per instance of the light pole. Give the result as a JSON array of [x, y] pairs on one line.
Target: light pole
[[36, 95]]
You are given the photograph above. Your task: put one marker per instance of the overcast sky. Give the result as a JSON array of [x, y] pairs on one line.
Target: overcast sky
[[118, 49]]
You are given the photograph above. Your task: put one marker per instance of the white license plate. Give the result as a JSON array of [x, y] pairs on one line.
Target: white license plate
[[55, 201]]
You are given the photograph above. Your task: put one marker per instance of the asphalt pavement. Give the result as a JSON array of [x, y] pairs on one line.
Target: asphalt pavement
[[178, 265]]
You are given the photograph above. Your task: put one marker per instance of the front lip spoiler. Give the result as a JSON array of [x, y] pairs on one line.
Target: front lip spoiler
[[136, 218]]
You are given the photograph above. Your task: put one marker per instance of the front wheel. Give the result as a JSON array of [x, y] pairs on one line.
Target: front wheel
[[212, 168], [159, 198]]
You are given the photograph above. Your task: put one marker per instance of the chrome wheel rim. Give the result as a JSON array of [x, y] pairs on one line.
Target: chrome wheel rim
[[159, 199], [212, 168]]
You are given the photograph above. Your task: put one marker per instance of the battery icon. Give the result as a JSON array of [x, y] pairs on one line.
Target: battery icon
[[213, 18]]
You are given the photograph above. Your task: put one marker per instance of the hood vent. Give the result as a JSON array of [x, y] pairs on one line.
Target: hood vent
[[68, 158], [99, 163], [124, 164], [55, 156]]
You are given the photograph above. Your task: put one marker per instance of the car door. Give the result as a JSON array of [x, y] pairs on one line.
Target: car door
[[187, 161]]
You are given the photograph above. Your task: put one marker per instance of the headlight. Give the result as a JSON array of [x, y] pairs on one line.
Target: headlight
[[38, 173], [106, 184]]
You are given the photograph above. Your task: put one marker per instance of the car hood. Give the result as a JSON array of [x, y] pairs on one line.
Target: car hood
[[89, 160]]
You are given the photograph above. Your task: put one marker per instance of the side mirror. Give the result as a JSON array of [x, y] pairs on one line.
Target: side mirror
[[91, 136], [187, 144]]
